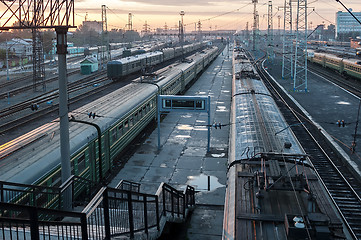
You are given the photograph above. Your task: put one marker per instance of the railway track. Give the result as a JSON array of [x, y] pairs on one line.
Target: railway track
[[27, 86], [341, 184], [343, 82], [25, 79], [19, 115]]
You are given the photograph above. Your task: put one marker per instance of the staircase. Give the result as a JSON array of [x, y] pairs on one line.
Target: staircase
[[113, 213]]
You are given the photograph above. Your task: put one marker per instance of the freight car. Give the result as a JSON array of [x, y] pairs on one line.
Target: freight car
[[272, 191], [121, 115]]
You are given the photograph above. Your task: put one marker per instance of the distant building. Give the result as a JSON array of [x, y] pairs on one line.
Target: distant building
[[88, 65], [94, 25], [345, 23], [22, 48]]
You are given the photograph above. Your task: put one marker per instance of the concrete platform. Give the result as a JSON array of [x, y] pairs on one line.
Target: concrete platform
[[327, 103], [183, 158]]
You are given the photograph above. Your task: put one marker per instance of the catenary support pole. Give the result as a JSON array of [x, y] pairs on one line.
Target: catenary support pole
[[61, 33]]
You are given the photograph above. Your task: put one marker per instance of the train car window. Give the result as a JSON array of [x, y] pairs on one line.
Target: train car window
[[126, 125], [56, 179], [148, 106], [81, 163], [131, 123], [73, 167], [140, 113], [114, 135], [136, 116], [144, 110], [120, 130]]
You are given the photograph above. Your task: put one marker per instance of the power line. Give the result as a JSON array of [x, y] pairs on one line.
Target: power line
[[219, 15]]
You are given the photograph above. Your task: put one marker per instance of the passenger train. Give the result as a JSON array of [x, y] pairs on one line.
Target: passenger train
[[351, 67], [34, 158], [117, 69], [269, 193]]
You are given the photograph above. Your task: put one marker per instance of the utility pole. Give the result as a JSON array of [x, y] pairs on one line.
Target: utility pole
[[181, 32], [130, 22], [300, 69], [199, 26], [270, 43], [247, 32], [181, 28], [38, 49], [59, 15], [279, 28], [287, 49], [105, 36], [255, 25], [146, 27]]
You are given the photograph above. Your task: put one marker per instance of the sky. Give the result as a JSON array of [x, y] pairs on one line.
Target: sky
[[159, 13], [221, 14]]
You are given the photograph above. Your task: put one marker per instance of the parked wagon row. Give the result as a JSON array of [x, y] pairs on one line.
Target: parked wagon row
[[121, 116]]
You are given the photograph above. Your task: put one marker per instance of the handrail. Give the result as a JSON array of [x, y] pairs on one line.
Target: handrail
[[34, 221], [48, 197], [110, 213], [130, 184]]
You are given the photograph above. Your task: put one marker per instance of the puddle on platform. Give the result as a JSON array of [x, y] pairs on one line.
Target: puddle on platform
[[182, 136], [185, 127], [221, 109], [215, 155], [343, 103], [200, 182]]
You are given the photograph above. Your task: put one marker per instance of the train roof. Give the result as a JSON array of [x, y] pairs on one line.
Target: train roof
[[43, 153], [39, 149], [267, 194], [136, 57]]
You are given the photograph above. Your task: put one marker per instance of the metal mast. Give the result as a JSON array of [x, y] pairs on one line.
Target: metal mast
[[105, 36], [199, 27], [130, 22], [59, 14], [287, 52], [255, 25], [300, 74], [270, 43], [181, 29], [38, 61]]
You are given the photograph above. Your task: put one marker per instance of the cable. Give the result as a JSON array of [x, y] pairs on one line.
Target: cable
[[314, 11], [219, 15]]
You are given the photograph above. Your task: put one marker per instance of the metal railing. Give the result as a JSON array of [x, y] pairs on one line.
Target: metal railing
[[111, 213], [128, 185], [120, 212], [33, 223], [47, 197]]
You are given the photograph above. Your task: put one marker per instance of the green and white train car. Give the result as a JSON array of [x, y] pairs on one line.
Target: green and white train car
[[121, 115], [351, 67]]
